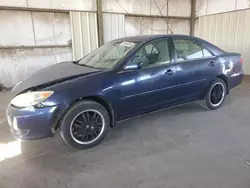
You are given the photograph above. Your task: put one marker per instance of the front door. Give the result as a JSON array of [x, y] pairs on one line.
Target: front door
[[146, 88]]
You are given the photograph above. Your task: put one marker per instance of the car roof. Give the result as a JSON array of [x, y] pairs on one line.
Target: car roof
[[140, 38], [145, 38]]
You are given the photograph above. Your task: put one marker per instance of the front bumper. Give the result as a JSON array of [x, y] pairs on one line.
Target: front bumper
[[31, 123]]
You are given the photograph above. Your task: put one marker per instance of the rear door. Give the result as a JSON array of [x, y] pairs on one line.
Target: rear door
[[195, 68]]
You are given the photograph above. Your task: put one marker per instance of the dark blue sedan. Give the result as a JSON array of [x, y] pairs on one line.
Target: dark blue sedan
[[124, 78]]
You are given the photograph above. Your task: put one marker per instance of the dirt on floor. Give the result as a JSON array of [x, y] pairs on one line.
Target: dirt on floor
[[182, 147]]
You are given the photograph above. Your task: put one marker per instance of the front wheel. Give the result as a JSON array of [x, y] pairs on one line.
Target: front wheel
[[216, 94], [85, 125]]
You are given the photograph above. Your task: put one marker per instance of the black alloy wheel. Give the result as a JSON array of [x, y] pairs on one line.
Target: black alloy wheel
[[87, 126], [216, 94]]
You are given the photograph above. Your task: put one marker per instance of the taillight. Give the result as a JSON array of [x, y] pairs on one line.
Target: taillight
[[241, 60]]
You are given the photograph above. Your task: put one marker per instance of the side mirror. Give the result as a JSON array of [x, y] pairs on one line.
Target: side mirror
[[135, 63], [132, 66]]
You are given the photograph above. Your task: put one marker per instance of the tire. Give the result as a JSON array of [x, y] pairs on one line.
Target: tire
[[77, 124], [210, 99]]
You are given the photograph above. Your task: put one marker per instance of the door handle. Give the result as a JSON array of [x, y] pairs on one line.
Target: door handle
[[212, 63], [170, 72]]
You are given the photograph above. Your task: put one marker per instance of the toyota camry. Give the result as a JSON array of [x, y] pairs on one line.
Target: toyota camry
[[121, 79]]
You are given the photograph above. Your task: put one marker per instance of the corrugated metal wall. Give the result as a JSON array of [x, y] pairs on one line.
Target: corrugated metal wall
[[230, 31], [113, 26], [84, 33]]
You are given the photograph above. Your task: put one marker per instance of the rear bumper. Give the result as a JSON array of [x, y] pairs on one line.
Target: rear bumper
[[235, 79], [31, 123]]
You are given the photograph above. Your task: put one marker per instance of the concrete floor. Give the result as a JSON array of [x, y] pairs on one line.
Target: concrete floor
[[182, 147]]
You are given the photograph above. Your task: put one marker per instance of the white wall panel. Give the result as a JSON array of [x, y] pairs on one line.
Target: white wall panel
[[62, 28], [230, 31], [148, 7], [16, 28], [83, 5], [43, 28], [17, 64], [132, 26], [16, 3], [51, 28], [208, 7], [33, 29], [215, 6], [179, 8], [242, 4], [180, 26], [201, 7], [84, 33], [113, 26], [139, 26], [38, 4], [25, 28]]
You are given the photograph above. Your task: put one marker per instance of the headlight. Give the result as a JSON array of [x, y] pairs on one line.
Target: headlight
[[31, 98]]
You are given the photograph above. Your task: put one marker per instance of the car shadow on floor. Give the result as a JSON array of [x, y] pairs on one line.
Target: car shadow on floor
[[141, 124], [141, 134], [36, 147], [156, 118]]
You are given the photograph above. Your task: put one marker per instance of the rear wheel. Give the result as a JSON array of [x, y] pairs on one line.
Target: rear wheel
[[85, 125], [216, 94]]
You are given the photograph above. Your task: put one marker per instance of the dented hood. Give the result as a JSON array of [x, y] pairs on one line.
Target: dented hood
[[53, 74]]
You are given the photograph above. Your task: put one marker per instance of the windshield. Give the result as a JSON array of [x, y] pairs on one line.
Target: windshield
[[107, 56]]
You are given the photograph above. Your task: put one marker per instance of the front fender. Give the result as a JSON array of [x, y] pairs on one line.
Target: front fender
[[71, 91]]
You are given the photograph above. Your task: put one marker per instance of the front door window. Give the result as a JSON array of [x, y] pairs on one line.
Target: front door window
[[153, 54]]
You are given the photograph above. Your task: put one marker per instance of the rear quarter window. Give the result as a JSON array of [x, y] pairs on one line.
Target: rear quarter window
[[216, 51], [207, 53]]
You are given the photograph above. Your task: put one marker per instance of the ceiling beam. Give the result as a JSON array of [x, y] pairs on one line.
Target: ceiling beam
[[158, 16]]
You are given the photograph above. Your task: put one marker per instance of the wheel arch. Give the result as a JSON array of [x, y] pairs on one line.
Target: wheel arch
[[97, 99], [225, 79], [222, 77]]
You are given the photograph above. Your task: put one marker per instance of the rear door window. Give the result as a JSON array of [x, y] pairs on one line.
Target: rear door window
[[187, 50]]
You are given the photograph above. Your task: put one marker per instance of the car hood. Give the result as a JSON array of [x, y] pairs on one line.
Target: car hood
[[53, 74]]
